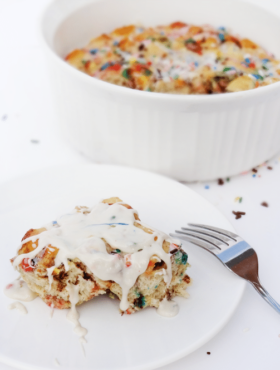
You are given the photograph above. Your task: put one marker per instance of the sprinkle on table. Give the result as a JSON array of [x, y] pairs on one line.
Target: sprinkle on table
[[238, 214], [264, 204], [208, 353], [238, 199], [206, 187], [269, 167], [254, 170], [220, 182]]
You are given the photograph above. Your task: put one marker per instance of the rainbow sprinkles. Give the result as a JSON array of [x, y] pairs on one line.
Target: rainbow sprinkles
[[178, 58]]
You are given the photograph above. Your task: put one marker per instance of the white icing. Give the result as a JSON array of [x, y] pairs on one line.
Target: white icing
[[19, 306], [161, 272], [81, 234], [168, 308], [52, 310], [19, 290], [50, 276], [73, 314], [83, 349], [56, 362]]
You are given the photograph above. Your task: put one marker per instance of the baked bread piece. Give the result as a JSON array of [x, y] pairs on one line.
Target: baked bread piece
[[103, 250], [178, 58]]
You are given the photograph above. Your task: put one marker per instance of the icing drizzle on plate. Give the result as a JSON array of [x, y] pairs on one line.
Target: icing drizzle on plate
[[18, 306], [168, 308], [73, 314], [19, 290]]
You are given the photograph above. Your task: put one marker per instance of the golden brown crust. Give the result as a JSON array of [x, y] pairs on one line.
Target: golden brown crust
[[112, 200], [241, 83], [47, 257], [248, 44], [144, 228], [124, 31], [33, 232], [28, 247]]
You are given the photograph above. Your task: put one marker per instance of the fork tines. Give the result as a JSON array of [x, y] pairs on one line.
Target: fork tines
[[211, 238]]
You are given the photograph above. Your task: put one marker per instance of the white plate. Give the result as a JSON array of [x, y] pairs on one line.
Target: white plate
[[141, 341]]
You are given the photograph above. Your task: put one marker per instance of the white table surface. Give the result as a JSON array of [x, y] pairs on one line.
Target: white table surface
[[29, 141]]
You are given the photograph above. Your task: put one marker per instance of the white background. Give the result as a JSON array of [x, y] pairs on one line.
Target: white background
[[29, 141]]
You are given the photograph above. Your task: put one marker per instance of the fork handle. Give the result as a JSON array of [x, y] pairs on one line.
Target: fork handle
[[265, 295]]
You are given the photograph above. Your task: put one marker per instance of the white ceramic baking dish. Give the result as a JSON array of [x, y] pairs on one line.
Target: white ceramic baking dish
[[187, 137]]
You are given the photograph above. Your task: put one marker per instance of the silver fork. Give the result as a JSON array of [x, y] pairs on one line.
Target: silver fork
[[231, 250]]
